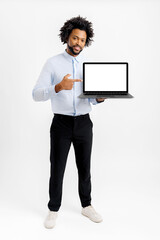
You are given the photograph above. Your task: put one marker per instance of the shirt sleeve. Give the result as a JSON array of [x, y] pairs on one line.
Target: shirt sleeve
[[44, 88], [94, 101]]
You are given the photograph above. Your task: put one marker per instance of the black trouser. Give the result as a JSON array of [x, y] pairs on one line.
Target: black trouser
[[64, 130]]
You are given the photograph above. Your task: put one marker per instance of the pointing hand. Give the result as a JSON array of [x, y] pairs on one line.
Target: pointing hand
[[67, 83]]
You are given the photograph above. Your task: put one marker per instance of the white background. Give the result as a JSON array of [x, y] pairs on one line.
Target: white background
[[125, 157]]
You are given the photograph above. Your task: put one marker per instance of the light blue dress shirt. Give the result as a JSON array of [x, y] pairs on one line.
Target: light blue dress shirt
[[65, 102]]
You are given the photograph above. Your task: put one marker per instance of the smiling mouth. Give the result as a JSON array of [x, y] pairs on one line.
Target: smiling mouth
[[77, 48]]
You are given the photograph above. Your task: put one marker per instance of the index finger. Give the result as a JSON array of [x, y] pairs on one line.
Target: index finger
[[77, 80]]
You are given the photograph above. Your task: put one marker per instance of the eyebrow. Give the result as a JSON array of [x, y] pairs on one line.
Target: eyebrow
[[78, 37]]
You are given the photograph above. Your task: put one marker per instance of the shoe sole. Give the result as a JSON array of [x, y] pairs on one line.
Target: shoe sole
[[49, 227]]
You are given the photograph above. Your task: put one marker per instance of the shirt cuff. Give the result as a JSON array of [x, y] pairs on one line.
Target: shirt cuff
[[50, 92], [93, 101]]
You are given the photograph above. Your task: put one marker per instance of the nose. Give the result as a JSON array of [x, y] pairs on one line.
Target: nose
[[78, 42]]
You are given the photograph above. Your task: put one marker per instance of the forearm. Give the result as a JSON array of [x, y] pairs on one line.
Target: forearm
[[44, 88], [43, 94]]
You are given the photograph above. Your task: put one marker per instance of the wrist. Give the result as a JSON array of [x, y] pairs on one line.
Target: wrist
[[58, 87]]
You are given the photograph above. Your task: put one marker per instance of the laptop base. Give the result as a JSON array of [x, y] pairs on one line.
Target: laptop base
[[106, 96]]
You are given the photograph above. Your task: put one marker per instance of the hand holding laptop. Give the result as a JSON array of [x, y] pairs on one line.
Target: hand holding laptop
[[100, 99], [105, 80]]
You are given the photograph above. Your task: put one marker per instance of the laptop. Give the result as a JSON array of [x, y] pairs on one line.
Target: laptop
[[105, 80]]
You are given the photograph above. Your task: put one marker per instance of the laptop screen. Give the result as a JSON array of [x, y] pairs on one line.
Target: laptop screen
[[105, 77]]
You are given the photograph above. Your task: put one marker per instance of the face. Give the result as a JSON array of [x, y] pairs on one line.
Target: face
[[76, 42]]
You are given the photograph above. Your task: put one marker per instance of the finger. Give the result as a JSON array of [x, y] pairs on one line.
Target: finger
[[68, 75], [77, 80], [100, 99]]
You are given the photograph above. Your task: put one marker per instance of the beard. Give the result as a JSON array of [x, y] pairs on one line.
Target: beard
[[72, 51]]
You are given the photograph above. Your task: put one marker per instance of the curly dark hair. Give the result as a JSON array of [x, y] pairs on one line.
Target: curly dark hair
[[80, 23]]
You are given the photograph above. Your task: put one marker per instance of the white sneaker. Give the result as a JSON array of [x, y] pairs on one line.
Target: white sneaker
[[50, 220], [90, 212]]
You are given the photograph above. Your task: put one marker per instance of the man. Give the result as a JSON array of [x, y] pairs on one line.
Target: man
[[61, 81]]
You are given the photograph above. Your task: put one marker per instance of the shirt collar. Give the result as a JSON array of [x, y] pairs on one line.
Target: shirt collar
[[70, 57]]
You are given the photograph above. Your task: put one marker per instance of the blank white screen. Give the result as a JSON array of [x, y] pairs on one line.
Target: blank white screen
[[105, 77]]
